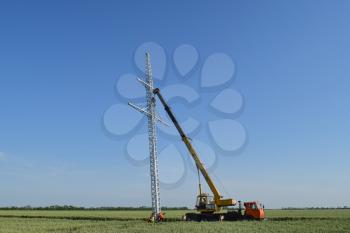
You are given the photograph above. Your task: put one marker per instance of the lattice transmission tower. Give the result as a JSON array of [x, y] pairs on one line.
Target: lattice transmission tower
[[150, 112]]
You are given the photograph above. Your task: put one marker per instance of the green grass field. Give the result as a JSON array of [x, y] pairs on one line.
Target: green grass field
[[133, 221]]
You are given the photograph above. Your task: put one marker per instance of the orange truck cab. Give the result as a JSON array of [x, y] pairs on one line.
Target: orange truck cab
[[253, 210]]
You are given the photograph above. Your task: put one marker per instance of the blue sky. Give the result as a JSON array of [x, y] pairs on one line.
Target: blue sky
[[59, 62]]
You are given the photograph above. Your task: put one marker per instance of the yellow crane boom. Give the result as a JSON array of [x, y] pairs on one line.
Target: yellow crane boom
[[218, 201]]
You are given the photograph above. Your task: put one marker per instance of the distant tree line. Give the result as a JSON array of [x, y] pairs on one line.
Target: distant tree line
[[316, 208], [70, 207]]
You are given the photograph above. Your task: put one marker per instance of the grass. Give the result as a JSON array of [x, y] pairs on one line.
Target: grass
[[132, 221]]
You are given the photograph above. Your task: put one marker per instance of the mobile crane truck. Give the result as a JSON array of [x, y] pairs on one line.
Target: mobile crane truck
[[210, 207]]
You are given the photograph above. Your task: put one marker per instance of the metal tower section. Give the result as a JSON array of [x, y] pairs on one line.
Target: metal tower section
[[152, 136], [150, 112]]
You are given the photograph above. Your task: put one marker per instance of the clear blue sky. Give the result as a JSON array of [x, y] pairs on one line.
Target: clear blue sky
[[59, 61]]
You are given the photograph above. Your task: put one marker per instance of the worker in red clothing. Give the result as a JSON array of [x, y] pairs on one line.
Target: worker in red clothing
[[159, 218]]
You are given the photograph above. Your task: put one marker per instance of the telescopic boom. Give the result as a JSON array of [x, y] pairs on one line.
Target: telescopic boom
[[219, 202]]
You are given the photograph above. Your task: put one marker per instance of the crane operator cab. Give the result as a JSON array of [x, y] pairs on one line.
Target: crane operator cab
[[205, 203]]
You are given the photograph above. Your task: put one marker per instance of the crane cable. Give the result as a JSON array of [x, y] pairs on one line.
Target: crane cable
[[216, 178], [199, 181], [221, 184]]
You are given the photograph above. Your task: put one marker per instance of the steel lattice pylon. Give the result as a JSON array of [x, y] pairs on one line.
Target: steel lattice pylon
[[150, 112], [152, 136]]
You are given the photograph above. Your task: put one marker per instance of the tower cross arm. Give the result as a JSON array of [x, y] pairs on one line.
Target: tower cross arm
[[145, 84], [143, 111]]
